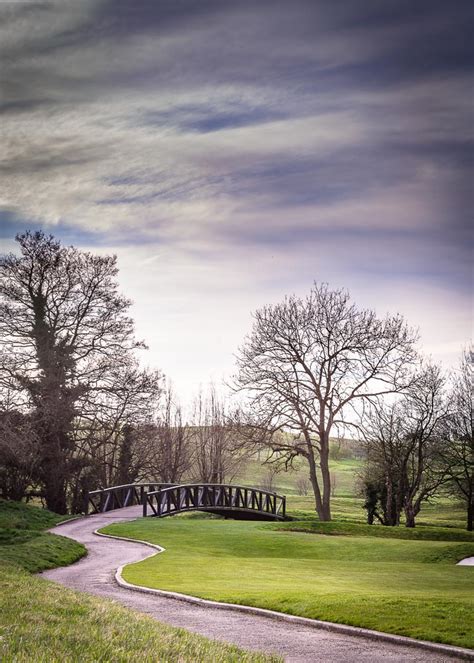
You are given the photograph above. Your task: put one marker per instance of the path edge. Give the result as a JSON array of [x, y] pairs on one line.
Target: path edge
[[460, 652]]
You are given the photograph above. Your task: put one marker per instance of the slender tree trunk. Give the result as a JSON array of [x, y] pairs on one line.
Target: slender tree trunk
[[389, 510], [470, 513], [326, 475], [313, 477]]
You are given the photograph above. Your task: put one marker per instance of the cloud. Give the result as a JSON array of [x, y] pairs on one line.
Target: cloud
[[240, 150]]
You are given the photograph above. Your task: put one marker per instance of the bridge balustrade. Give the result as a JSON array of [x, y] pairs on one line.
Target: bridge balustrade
[[117, 497], [215, 498]]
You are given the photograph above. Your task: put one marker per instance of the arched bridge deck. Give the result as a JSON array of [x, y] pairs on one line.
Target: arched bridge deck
[[159, 500]]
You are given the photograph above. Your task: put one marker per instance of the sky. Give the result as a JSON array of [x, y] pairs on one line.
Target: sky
[[231, 153]]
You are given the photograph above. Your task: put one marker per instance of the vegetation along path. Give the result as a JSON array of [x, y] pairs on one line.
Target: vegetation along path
[[296, 642]]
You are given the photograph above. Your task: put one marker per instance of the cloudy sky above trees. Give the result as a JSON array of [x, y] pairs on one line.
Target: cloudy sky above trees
[[233, 152]]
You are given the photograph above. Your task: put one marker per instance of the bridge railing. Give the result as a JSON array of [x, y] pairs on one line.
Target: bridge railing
[[213, 497], [117, 497]]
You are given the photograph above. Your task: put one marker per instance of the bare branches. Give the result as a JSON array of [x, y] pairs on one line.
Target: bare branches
[[403, 441], [217, 453], [308, 361], [457, 452]]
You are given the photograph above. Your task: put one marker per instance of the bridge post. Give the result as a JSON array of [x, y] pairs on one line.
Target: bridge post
[[144, 501]]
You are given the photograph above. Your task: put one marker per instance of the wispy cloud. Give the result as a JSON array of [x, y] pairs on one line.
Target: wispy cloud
[[239, 150]]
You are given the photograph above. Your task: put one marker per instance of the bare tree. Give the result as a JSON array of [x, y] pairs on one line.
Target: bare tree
[[426, 409], [384, 433], [457, 452], [63, 326], [403, 443], [308, 363], [302, 485], [268, 481], [168, 446], [111, 433], [217, 454]]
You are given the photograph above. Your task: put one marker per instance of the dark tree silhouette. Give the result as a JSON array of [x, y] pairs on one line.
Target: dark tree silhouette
[[63, 328]]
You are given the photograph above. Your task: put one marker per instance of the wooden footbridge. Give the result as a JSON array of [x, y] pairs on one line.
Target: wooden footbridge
[[162, 499]]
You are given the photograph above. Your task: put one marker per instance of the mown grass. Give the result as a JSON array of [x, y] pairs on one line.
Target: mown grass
[[344, 474], [440, 512], [42, 622], [346, 528], [405, 586]]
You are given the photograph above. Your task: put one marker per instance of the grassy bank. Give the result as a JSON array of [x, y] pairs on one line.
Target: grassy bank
[[24, 543], [42, 622], [408, 586]]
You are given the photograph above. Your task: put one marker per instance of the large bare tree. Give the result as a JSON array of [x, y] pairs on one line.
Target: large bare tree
[[309, 364], [63, 326]]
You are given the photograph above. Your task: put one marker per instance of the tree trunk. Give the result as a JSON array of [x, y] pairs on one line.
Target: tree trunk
[[314, 483], [125, 474], [324, 461], [55, 489], [470, 514], [410, 514], [54, 471]]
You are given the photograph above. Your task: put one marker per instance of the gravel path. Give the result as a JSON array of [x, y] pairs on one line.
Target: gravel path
[[296, 643]]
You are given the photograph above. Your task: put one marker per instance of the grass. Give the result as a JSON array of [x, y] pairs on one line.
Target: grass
[[343, 472], [409, 586], [346, 505], [46, 623], [43, 622], [440, 512], [346, 528], [24, 543]]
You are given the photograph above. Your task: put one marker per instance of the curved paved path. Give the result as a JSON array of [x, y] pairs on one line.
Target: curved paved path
[[295, 642]]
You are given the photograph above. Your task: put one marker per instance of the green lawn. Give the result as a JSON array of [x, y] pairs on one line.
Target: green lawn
[[343, 472], [410, 587], [42, 622], [441, 512]]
